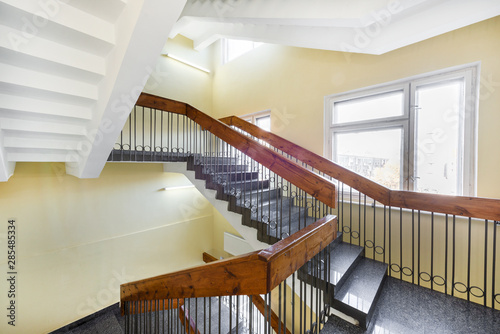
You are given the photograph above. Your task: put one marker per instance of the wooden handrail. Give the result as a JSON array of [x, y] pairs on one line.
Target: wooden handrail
[[476, 207], [315, 185], [259, 302], [368, 187], [251, 274]]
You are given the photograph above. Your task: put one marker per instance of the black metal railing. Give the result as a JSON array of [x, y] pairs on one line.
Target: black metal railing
[[453, 254], [456, 255], [277, 207], [294, 306]]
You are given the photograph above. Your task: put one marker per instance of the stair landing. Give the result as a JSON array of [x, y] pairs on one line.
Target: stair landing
[[410, 309]]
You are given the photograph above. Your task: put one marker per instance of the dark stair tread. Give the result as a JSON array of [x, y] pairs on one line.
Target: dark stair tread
[[199, 315], [238, 176], [343, 259], [107, 324], [361, 289], [218, 168], [256, 196], [147, 156], [262, 184]]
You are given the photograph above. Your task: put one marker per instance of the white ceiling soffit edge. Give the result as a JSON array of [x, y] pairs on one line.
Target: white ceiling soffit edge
[[372, 27], [6, 167], [140, 50]]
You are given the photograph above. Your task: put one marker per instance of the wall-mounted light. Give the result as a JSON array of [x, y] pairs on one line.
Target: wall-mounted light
[[185, 62], [179, 187]]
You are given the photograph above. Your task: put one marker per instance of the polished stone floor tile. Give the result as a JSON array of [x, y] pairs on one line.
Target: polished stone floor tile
[[404, 308]]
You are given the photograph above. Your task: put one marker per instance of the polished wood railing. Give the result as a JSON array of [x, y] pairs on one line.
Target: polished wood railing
[[251, 274], [276, 324], [317, 186], [476, 207]]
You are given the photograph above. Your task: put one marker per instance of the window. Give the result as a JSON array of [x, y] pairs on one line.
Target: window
[[262, 119], [415, 134], [233, 48]]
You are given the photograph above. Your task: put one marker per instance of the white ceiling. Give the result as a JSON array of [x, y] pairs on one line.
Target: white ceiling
[[364, 26]]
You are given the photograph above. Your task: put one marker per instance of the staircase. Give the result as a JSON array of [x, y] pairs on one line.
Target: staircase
[[355, 281], [106, 321], [280, 188], [313, 262], [276, 212]]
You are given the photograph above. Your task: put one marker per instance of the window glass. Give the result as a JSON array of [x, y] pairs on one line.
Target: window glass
[[264, 122], [418, 134], [438, 137], [374, 154], [370, 107]]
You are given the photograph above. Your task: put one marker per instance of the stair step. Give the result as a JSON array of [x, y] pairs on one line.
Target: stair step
[[209, 160], [238, 176], [254, 185], [198, 310], [127, 155], [254, 197], [107, 323], [343, 260], [218, 168], [358, 295]]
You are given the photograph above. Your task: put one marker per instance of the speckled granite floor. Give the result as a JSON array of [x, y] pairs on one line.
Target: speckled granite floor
[[404, 308]]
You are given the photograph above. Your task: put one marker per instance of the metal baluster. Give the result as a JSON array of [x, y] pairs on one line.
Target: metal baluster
[[374, 226], [143, 142], [135, 136], [401, 243], [250, 314], [493, 295], [387, 251], [453, 269], [469, 258], [413, 246], [292, 297], [177, 136], [350, 215], [151, 132], [231, 314], [418, 252], [178, 320], [364, 222], [127, 317], [446, 256], [269, 314], [432, 251], [312, 304], [157, 316], [284, 306], [219, 314], [485, 258]]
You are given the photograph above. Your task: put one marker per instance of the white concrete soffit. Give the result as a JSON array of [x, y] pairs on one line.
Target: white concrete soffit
[[363, 26]]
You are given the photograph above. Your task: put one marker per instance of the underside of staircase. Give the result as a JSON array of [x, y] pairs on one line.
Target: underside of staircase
[[70, 73]]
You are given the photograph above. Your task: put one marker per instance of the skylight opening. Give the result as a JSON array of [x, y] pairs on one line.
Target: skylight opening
[[233, 48]]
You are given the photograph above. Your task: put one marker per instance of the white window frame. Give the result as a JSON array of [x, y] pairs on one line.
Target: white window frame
[[252, 118], [470, 73]]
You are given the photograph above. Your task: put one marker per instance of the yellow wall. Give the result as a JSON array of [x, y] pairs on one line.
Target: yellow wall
[[181, 82], [221, 225], [78, 239], [293, 82]]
